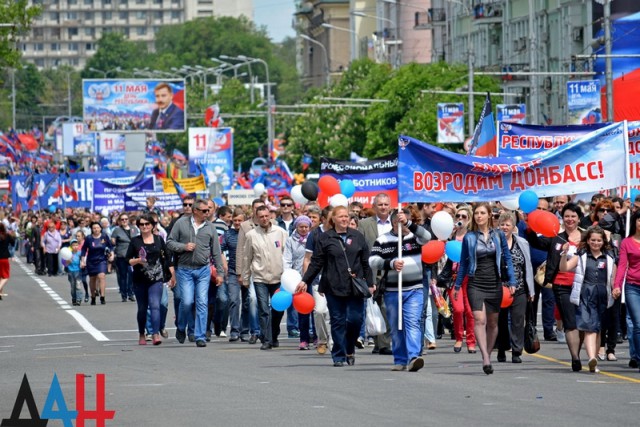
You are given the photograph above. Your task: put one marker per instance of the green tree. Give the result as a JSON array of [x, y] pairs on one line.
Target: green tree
[[15, 20], [115, 51]]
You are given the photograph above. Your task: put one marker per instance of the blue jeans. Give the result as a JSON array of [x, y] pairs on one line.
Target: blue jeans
[[346, 320], [250, 321], [406, 343], [164, 310], [75, 285], [193, 285], [148, 298], [269, 318], [292, 319], [125, 283], [632, 299], [221, 317], [233, 288]]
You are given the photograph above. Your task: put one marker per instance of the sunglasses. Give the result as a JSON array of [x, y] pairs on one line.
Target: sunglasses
[[124, 219], [286, 205], [143, 224], [604, 210], [496, 216], [202, 210], [187, 204], [459, 216]]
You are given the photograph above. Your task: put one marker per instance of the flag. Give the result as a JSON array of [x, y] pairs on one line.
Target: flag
[[179, 155], [355, 158], [140, 175], [69, 190], [212, 117], [204, 175], [307, 159], [181, 191], [484, 141]]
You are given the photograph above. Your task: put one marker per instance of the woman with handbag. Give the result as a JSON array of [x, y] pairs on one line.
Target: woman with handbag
[[484, 253], [595, 270], [342, 256], [147, 255], [97, 250], [512, 337]]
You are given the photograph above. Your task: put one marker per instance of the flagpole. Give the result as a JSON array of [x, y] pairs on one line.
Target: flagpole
[[400, 272], [64, 201], [625, 130]]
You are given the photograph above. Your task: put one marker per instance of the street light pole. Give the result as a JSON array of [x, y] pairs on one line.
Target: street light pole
[[355, 54], [326, 56], [69, 91], [13, 98]]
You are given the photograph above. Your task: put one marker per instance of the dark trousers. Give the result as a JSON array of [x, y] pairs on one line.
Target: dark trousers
[[548, 307], [52, 263], [123, 271], [511, 334], [610, 325], [38, 260], [304, 322], [346, 320], [148, 297], [269, 318]]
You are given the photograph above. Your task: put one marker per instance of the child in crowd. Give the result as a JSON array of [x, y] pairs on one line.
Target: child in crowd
[[73, 273]]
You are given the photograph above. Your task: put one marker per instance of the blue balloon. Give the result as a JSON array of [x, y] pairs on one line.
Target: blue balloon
[[528, 201], [453, 249], [347, 188], [53, 208], [281, 301], [218, 201]]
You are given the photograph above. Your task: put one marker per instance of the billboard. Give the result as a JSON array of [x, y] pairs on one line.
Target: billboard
[[111, 151], [450, 123], [583, 102], [211, 153], [76, 142], [134, 105], [511, 113]]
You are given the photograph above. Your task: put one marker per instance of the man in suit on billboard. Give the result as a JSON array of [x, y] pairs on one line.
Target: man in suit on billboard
[[168, 115]]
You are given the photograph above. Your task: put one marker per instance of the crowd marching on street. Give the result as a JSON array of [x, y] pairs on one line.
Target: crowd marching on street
[[224, 266]]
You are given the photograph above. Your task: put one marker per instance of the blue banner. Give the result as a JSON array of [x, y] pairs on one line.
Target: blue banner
[[583, 102], [517, 140], [213, 149], [135, 201], [511, 113], [428, 174], [83, 183], [450, 123], [110, 196]]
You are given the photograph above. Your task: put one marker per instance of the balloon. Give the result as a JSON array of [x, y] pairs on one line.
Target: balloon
[[296, 195], [339, 200], [281, 301], [432, 251], [442, 225], [528, 201], [309, 190], [507, 298], [453, 248], [290, 279], [105, 212], [321, 303], [323, 200], [66, 254], [218, 201], [53, 208], [259, 189], [512, 204], [303, 302], [329, 185], [545, 223], [65, 262], [347, 188], [533, 219]]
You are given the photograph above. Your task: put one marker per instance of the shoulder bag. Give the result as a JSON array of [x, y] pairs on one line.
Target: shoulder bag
[[359, 285], [531, 341]]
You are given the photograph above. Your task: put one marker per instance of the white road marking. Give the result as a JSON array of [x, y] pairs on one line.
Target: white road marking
[[59, 343], [82, 321], [57, 348], [42, 335]]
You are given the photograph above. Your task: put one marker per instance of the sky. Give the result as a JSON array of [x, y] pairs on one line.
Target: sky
[[276, 15]]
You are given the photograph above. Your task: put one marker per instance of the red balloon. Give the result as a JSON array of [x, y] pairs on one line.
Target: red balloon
[[432, 251], [323, 200], [547, 224], [303, 302], [329, 185], [507, 298], [533, 218]]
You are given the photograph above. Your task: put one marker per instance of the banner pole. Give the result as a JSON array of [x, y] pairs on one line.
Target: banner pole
[[625, 130], [400, 272]]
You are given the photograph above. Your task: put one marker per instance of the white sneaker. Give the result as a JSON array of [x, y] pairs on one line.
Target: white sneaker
[[222, 334], [561, 337]]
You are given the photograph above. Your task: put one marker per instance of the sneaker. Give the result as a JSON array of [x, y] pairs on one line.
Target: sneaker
[[233, 338], [294, 334], [561, 337], [164, 333], [266, 346], [222, 334], [132, 298], [180, 336], [416, 364], [253, 339], [201, 343], [124, 299], [371, 342], [148, 337], [86, 299], [192, 338], [322, 348], [397, 368], [633, 363], [275, 344], [360, 343], [303, 345]]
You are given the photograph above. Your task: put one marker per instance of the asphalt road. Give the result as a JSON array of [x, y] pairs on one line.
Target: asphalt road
[[236, 384]]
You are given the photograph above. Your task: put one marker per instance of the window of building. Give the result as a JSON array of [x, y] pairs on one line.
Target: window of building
[[88, 46], [123, 15], [38, 32], [73, 47], [124, 2], [157, 1], [141, 31], [55, 33], [55, 47], [107, 16], [175, 14], [73, 31], [125, 32], [157, 15], [156, 29], [54, 16], [39, 63], [140, 1], [88, 2], [72, 2], [88, 16], [106, 1], [74, 61], [89, 31], [141, 14], [38, 47], [72, 16]]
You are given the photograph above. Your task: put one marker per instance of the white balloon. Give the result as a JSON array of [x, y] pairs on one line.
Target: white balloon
[[296, 195], [442, 225], [66, 254], [339, 200], [105, 212], [290, 279], [258, 189], [511, 204], [321, 303]]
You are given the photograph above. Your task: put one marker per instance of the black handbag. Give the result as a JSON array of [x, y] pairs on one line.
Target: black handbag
[[382, 285], [531, 341], [358, 285]]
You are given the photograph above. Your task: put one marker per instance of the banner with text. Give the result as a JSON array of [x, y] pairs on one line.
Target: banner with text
[[212, 148], [593, 162], [583, 102], [190, 185], [137, 200], [109, 196], [450, 123], [370, 178], [111, 151], [511, 113]]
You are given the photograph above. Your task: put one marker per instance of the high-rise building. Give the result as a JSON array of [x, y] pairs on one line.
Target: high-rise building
[[67, 31]]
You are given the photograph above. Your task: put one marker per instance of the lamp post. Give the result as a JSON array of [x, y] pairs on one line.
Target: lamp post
[[355, 54], [248, 63], [13, 98], [105, 73], [326, 56]]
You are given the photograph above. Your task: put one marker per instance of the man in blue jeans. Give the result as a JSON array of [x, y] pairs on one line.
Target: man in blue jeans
[[194, 241]]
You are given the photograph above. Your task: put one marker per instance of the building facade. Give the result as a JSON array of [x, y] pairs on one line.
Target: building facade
[[67, 31]]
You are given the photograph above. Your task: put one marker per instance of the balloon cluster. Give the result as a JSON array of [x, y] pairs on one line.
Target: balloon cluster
[[540, 221], [283, 298], [65, 256], [442, 227], [328, 191]]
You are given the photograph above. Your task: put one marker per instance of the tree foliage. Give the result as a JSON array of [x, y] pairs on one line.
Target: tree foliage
[[115, 51], [20, 14]]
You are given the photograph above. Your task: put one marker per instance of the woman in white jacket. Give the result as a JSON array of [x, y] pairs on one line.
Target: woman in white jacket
[[595, 270]]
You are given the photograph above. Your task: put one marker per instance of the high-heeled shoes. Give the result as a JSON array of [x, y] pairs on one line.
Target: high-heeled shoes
[[156, 339], [488, 369], [457, 347]]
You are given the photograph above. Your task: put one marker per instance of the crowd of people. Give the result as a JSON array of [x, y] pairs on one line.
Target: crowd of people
[[224, 265]]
